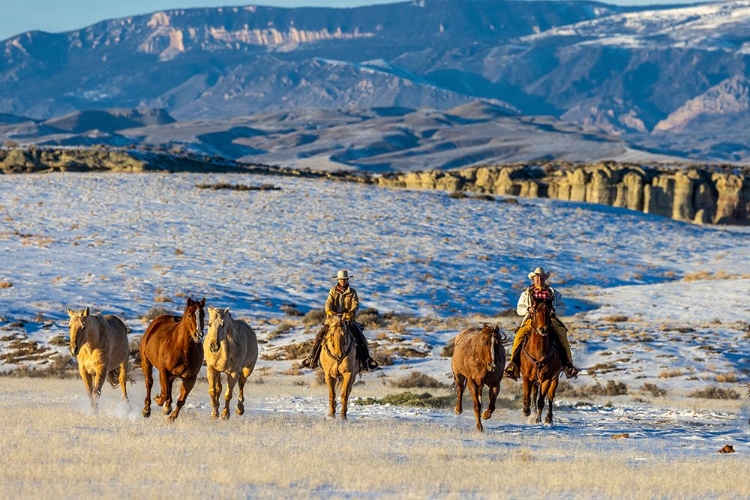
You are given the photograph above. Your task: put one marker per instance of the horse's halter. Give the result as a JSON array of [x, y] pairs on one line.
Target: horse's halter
[[73, 346], [217, 320], [199, 316]]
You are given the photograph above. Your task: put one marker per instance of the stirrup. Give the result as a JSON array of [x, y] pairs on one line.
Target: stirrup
[[307, 363], [510, 371], [571, 371], [371, 364]]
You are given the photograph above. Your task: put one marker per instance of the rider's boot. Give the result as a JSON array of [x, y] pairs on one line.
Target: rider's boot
[[311, 361], [513, 370]]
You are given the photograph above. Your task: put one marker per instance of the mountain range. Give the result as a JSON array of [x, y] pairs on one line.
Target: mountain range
[[422, 84]]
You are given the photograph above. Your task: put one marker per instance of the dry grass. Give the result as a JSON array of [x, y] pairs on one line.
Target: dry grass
[[417, 379], [611, 388], [5, 284], [284, 454], [714, 392], [727, 377], [654, 389], [676, 372]]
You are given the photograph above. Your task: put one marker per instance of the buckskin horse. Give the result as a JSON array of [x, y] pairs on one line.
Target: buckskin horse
[[540, 362], [230, 347], [172, 344], [100, 345], [478, 360], [340, 364]]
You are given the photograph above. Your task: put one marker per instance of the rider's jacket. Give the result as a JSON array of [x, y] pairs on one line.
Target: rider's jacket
[[545, 293]]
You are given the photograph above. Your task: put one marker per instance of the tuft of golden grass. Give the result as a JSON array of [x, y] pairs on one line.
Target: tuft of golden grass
[[727, 377], [5, 284], [677, 372]]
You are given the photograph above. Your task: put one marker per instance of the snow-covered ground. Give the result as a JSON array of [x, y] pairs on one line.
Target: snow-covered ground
[[650, 300]]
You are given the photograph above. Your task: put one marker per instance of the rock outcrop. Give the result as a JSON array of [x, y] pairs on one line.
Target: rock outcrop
[[711, 195]]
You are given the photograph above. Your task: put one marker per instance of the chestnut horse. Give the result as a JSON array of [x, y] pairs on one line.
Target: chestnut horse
[[340, 364], [172, 344], [540, 362], [100, 345], [478, 359], [230, 347]]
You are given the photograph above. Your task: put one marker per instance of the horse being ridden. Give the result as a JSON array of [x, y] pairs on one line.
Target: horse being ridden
[[340, 364], [230, 347], [478, 360], [100, 345], [172, 344], [540, 362]]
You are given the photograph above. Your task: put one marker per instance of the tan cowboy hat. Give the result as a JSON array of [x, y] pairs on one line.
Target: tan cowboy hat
[[343, 275], [539, 271]]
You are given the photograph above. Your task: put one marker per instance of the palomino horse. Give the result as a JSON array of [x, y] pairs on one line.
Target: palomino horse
[[100, 344], [340, 364], [479, 359], [172, 344], [231, 347], [540, 362]]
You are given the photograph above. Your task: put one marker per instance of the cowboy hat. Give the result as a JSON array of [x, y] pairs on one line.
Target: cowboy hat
[[343, 275], [539, 271]]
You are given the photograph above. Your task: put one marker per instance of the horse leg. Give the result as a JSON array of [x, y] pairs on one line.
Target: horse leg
[[164, 398], [214, 389], [87, 382], [231, 382], [476, 395], [99, 377], [148, 379], [527, 396], [187, 386], [123, 380], [494, 391], [460, 386], [550, 398], [331, 383], [346, 389], [540, 400], [241, 393]]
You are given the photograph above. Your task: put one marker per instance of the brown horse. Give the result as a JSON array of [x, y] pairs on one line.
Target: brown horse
[[230, 347], [100, 345], [340, 364], [172, 344], [478, 359], [540, 362]]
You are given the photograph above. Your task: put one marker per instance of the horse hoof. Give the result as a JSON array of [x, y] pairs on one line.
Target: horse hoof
[[215, 414], [240, 409], [331, 414], [343, 417], [548, 420], [480, 428], [538, 420], [486, 414], [458, 410], [146, 413], [225, 415], [527, 411]]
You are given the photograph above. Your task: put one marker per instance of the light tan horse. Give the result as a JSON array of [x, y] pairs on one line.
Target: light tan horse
[[100, 344], [231, 347], [478, 359], [338, 358]]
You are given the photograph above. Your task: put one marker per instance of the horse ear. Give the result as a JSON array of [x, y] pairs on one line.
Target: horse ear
[[226, 311], [86, 312], [70, 313], [202, 302], [189, 301]]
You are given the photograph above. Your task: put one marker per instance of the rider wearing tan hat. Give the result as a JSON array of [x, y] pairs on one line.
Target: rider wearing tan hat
[[342, 300], [540, 290]]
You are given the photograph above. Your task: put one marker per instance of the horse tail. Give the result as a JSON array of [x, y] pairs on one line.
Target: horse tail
[[113, 377]]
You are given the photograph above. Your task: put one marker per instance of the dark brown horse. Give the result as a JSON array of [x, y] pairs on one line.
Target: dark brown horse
[[540, 362], [478, 360], [172, 344]]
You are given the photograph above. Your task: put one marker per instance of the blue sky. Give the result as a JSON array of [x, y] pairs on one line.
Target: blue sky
[[65, 15]]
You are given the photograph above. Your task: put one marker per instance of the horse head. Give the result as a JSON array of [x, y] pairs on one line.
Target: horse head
[[216, 327], [337, 335], [541, 318], [491, 340], [195, 315], [78, 322]]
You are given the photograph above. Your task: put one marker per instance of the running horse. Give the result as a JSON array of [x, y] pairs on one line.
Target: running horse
[[340, 364], [230, 347], [478, 360], [172, 344], [100, 345], [540, 362]]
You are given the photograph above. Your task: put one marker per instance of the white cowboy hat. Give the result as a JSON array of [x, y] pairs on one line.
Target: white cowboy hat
[[539, 271], [343, 275]]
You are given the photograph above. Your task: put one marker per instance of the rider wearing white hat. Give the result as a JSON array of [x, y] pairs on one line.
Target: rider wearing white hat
[[540, 290], [342, 300]]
